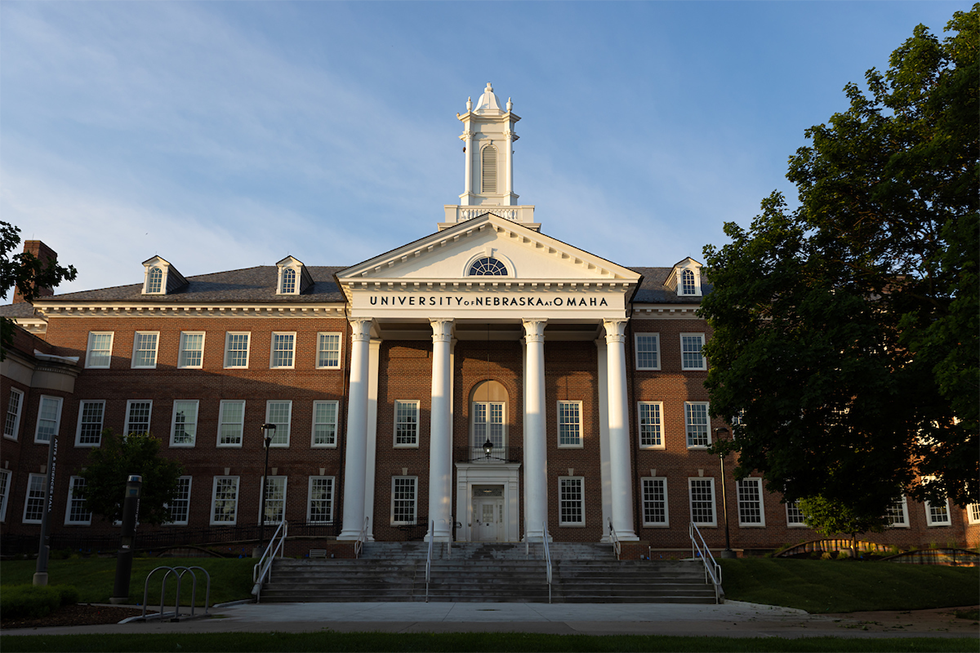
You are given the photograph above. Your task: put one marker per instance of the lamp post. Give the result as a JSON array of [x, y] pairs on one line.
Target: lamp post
[[268, 432], [722, 432]]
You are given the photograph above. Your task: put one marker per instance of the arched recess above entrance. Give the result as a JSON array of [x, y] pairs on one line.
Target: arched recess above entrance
[[489, 414]]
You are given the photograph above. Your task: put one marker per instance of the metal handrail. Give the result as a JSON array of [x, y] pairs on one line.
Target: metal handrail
[[361, 538], [712, 570], [614, 539], [547, 555], [259, 577], [428, 559]]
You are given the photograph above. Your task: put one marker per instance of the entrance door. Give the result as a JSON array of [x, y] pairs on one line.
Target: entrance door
[[488, 513]]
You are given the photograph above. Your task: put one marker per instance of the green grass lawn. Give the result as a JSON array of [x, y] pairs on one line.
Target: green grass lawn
[[231, 578], [848, 586], [519, 642]]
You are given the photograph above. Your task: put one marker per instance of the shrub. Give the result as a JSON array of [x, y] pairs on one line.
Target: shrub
[[843, 554], [67, 594], [28, 601], [826, 555]]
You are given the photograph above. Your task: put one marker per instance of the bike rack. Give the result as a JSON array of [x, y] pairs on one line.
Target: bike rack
[[179, 572]]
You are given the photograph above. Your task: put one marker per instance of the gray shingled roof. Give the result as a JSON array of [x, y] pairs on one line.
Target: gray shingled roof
[[22, 310]]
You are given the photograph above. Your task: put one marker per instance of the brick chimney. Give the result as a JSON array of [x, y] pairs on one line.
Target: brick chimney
[[44, 254]]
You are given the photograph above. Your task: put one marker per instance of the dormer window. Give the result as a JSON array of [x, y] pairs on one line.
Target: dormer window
[[288, 282], [687, 283], [293, 277], [685, 278], [161, 278], [487, 266]]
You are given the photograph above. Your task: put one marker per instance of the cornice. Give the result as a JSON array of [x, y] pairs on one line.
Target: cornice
[[662, 311], [81, 309]]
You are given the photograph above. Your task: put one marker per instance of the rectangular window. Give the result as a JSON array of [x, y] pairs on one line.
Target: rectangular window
[[98, 355], [15, 405], [138, 416], [191, 349], [180, 506], [488, 423], [651, 435], [691, 357], [90, 414], [696, 418], [655, 502], [231, 423], [406, 423], [279, 413], [570, 424], [973, 513], [324, 424], [319, 509], [571, 501], [283, 345], [750, 512], [236, 349], [34, 502], [145, 349], [275, 499], [702, 501], [5, 476], [897, 514], [794, 516], [224, 501], [328, 351], [48, 418], [403, 499], [937, 514], [183, 428], [76, 512], [647, 351]]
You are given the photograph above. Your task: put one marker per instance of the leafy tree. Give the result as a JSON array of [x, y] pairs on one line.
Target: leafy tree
[[108, 467], [831, 517], [27, 273], [845, 347]]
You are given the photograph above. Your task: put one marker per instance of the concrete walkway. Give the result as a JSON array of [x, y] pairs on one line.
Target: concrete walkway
[[732, 619]]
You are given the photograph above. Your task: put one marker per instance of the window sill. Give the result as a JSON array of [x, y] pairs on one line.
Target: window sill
[[87, 445], [229, 445], [656, 525], [325, 446], [406, 446], [652, 447]]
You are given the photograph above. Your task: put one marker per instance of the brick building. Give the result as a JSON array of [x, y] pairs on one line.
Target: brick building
[[485, 382]]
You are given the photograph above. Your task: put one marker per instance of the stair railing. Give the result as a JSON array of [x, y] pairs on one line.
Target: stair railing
[[614, 539], [428, 559], [547, 556], [361, 538], [712, 570], [262, 570]]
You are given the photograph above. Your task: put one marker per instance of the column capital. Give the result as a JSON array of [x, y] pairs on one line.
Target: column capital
[[442, 329], [534, 329], [615, 330], [360, 328]]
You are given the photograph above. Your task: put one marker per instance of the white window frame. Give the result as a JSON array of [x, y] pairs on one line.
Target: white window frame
[[11, 429], [149, 282], [659, 424], [74, 484], [973, 513], [933, 519], [682, 283], [310, 500], [576, 424], [331, 443], [322, 338], [902, 504], [270, 503], [704, 363], [274, 353], [156, 348], [288, 281], [745, 501], [214, 500], [5, 479], [223, 421], [59, 402], [128, 429], [182, 354], [90, 350], [571, 502], [81, 416], [192, 430], [228, 351], [414, 480], [414, 407], [277, 438], [35, 494], [650, 482], [638, 350], [184, 501], [690, 498], [689, 407], [790, 523]]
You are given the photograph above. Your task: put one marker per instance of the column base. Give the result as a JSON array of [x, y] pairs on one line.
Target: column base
[[347, 536], [627, 536]]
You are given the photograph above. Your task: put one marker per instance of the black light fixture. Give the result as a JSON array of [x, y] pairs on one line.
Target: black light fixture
[[268, 432], [722, 433], [488, 447]]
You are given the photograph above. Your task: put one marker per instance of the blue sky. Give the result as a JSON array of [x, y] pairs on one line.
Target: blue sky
[[223, 135]]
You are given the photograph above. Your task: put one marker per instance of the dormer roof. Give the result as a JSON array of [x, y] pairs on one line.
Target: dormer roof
[[160, 277]]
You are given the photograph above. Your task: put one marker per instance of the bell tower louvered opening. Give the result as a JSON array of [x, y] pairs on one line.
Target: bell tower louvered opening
[[488, 168]]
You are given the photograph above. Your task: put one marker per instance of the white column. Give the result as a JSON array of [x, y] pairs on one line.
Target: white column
[[509, 164], [602, 372], [357, 420], [440, 433], [535, 454], [619, 437], [374, 359], [468, 182]]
